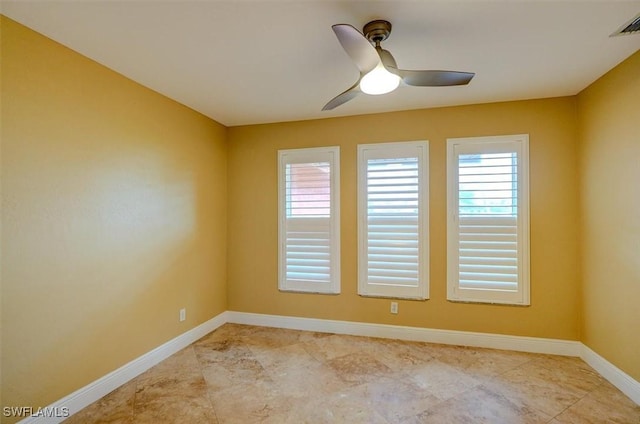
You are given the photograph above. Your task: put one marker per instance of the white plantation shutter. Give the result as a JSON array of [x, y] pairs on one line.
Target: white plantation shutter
[[393, 220], [488, 253], [488, 222], [309, 220], [308, 250]]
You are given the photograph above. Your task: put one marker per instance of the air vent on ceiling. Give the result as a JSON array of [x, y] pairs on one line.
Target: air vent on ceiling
[[631, 27]]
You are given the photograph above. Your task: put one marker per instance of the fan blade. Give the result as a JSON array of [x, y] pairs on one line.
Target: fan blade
[[434, 78], [343, 97], [357, 47], [387, 60]]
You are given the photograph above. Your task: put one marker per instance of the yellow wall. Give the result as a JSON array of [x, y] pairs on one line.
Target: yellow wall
[[115, 205], [113, 218], [252, 248], [610, 193]]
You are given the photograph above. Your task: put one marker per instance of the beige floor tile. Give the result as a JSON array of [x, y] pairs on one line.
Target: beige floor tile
[[114, 408], [571, 373], [181, 365], [606, 404], [297, 373], [186, 403], [441, 380], [346, 406], [398, 355], [479, 362], [537, 387], [221, 350], [175, 391], [249, 403], [396, 399], [358, 368], [481, 405], [272, 337], [333, 346], [245, 374]]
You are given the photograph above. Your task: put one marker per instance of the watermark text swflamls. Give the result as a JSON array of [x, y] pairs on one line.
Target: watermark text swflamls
[[30, 411]]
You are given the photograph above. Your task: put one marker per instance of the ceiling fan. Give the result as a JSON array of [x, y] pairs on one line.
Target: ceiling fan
[[379, 73]]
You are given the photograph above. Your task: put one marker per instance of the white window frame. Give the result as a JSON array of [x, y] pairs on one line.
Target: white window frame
[[310, 155], [479, 145], [419, 149]]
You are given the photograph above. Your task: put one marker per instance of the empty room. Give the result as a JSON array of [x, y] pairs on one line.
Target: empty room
[[320, 211]]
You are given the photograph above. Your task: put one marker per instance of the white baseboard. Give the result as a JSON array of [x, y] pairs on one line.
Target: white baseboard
[[105, 385], [615, 375], [461, 338]]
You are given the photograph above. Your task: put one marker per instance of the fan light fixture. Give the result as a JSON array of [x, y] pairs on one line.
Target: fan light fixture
[[379, 73], [379, 81]]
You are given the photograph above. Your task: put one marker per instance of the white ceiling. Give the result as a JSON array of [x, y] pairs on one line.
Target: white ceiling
[[245, 62]]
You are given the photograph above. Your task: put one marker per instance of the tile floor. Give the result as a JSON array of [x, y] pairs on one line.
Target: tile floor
[[246, 374]]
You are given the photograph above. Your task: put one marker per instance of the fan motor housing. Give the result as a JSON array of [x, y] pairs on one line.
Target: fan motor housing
[[377, 31]]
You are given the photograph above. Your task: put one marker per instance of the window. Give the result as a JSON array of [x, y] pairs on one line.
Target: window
[[488, 219], [309, 220], [393, 220]]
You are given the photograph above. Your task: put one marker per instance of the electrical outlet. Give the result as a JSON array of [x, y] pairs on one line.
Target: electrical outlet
[[183, 314], [394, 307]]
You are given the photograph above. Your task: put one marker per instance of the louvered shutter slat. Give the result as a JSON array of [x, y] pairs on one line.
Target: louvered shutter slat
[[308, 240], [393, 219], [487, 220], [308, 252], [309, 219], [310, 247], [392, 187]]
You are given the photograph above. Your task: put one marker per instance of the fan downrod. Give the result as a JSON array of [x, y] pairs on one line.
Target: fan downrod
[[377, 31]]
